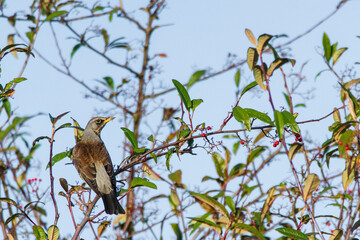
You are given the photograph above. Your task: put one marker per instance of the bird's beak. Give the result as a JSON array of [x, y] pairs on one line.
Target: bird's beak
[[108, 119]]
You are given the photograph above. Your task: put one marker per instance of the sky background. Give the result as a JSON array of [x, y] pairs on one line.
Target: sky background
[[200, 36]]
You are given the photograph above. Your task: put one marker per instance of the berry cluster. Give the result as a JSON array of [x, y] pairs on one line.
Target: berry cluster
[[34, 184], [276, 143], [298, 137], [34, 180], [346, 147], [208, 128]]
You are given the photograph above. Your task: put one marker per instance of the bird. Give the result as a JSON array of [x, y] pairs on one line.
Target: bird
[[93, 163]]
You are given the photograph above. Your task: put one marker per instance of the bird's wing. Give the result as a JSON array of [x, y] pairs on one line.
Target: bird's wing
[[84, 157], [106, 161], [84, 163]]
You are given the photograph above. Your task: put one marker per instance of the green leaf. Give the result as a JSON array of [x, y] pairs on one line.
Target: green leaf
[[139, 150], [337, 54], [168, 157], [336, 235], [30, 36], [65, 125], [276, 55], [279, 123], [251, 37], [287, 99], [242, 116], [177, 231], [292, 233], [197, 224], [75, 48], [249, 228], [254, 154], [176, 176], [110, 82], [347, 177], [151, 138], [137, 182], [7, 107], [98, 8], [154, 157], [237, 78], [8, 200], [295, 147], [220, 164], [195, 103], [262, 42], [174, 199], [289, 120], [195, 77], [57, 118], [78, 131], [248, 87], [311, 184], [39, 233], [131, 137], [237, 170], [12, 217], [259, 115], [183, 94], [55, 15], [278, 63], [17, 80], [209, 223], [267, 204], [259, 77], [327, 47], [230, 202], [53, 233], [58, 157], [236, 147], [105, 37], [252, 58], [212, 202]]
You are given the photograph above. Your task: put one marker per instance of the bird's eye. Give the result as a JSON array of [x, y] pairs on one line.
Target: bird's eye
[[99, 121]]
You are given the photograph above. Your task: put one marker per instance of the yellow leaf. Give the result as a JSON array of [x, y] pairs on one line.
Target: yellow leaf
[[251, 37]]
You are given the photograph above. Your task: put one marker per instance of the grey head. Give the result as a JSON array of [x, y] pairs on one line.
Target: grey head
[[95, 125]]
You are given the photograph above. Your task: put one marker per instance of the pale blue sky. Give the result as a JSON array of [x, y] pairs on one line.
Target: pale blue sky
[[200, 36]]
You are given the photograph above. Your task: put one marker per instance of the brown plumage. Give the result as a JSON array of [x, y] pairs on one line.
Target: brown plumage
[[94, 165]]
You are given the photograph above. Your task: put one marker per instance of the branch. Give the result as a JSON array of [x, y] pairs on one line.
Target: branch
[[86, 218]]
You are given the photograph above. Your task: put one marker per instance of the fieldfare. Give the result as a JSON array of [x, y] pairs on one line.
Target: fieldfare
[[94, 165]]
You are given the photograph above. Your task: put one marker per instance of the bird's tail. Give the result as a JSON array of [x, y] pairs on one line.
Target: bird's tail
[[111, 204]]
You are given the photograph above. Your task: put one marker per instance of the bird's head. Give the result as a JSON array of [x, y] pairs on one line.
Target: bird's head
[[96, 124]]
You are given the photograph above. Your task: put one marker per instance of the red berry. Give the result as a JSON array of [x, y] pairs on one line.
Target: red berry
[[29, 180], [208, 128], [20, 206], [35, 179], [347, 147], [296, 139], [40, 180], [317, 189], [277, 143], [300, 139], [274, 145], [328, 223], [332, 231], [203, 135], [242, 143], [350, 191], [340, 143]]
